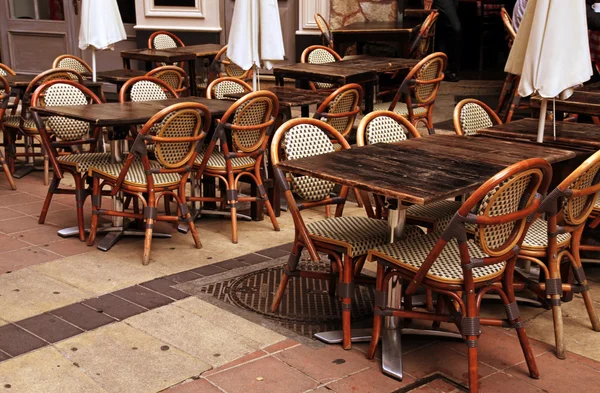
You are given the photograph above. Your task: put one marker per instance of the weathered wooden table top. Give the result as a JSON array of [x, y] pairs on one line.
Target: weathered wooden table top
[[202, 50], [114, 114], [173, 54], [21, 81], [290, 96], [118, 76], [376, 63], [573, 135], [423, 170], [585, 100], [378, 27], [328, 72]]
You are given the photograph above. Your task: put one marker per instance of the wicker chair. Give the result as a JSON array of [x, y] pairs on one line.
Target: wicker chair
[[60, 135], [4, 71], [4, 97], [424, 42], [230, 69], [165, 40], [462, 271], [416, 95], [22, 125], [146, 88], [509, 95], [568, 208], [325, 29], [471, 115], [72, 63], [249, 121], [173, 76], [340, 109], [345, 240], [318, 54], [182, 127], [220, 87]]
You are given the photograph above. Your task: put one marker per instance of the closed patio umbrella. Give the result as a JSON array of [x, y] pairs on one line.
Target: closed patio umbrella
[[101, 27], [255, 38], [551, 52]]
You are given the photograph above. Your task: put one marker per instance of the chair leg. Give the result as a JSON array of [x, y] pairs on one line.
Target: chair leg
[[376, 332], [345, 289], [582, 281], [53, 186], [263, 194], [96, 205], [232, 200], [149, 218], [506, 88], [47, 168], [292, 263], [185, 216], [514, 104], [9, 177], [80, 195], [167, 202], [554, 294]]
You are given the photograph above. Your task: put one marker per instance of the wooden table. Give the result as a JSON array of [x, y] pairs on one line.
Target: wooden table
[[118, 77], [421, 171], [290, 97], [191, 54], [120, 116], [585, 101], [398, 32], [576, 136]]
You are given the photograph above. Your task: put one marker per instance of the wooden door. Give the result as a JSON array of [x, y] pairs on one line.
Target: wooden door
[[34, 32]]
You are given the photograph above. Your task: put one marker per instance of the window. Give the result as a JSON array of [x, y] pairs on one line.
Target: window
[[127, 10], [37, 9], [175, 3]]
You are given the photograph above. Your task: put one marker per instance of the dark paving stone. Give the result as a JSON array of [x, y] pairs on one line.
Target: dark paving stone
[[182, 277], [82, 316], [209, 270], [275, 252], [286, 247], [16, 341], [251, 259], [143, 297], [231, 264], [4, 356], [49, 327], [114, 306], [164, 287]]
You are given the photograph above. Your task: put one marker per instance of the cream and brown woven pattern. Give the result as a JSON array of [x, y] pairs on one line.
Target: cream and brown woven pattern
[[473, 118], [384, 129], [181, 124], [163, 41], [401, 108], [430, 70], [438, 213], [322, 24], [250, 113], [13, 121], [221, 89], [72, 64], [233, 69], [321, 56], [537, 236], [343, 103], [147, 91], [357, 234], [574, 209], [136, 176], [172, 78], [217, 161], [307, 140], [412, 252], [65, 128], [84, 161], [597, 205]]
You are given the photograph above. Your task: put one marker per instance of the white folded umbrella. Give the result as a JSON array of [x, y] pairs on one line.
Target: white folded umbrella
[[255, 38], [551, 52], [101, 27]]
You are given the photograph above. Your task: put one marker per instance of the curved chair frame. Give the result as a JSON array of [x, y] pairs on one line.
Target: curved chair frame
[[174, 76], [124, 95], [177, 40], [231, 69], [463, 296], [52, 145], [424, 42], [4, 97], [153, 190], [229, 126], [327, 109], [458, 128], [362, 126], [325, 30], [511, 82], [6, 70], [85, 67], [304, 58], [210, 89]]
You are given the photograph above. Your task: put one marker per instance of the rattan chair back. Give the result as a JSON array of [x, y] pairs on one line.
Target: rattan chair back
[[174, 76], [471, 115], [230, 69], [427, 4], [73, 63], [508, 26], [325, 29], [146, 88], [6, 70], [424, 42], [221, 87], [340, 109], [384, 127], [165, 40], [4, 97], [319, 54]]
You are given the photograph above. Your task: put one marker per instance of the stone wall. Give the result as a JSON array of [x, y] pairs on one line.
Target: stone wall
[[344, 12]]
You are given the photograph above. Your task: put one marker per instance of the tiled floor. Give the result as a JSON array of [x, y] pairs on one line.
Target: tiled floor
[[74, 319]]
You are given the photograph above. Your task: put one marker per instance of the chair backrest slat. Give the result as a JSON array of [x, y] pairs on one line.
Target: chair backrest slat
[[221, 87], [384, 127], [341, 108], [471, 115], [73, 63]]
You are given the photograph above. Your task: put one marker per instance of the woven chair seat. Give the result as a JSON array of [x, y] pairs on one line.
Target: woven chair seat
[[437, 213], [411, 253], [537, 237], [337, 146], [136, 176], [597, 205], [217, 161], [84, 161], [356, 234], [401, 108], [13, 121]]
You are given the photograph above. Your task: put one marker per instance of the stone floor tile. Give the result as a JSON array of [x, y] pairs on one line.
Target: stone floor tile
[[183, 277], [369, 381], [45, 370], [274, 252], [438, 358], [68, 247], [325, 364], [554, 372], [264, 375], [501, 383], [9, 243], [114, 306], [164, 287], [143, 297], [237, 362], [35, 208], [4, 356], [194, 386], [123, 359], [282, 345], [251, 259], [82, 316], [49, 327], [8, 213], [98, 272], [209, 270], [11, 199], [231, 322], [196, 335], [230, 264], [18, 224], [25, 257], [16, 341], [27, 293], [40, 236]]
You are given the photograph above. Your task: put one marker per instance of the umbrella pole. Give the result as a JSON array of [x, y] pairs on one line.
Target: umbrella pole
[[542, 122], [254, 78], [94, 64]]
